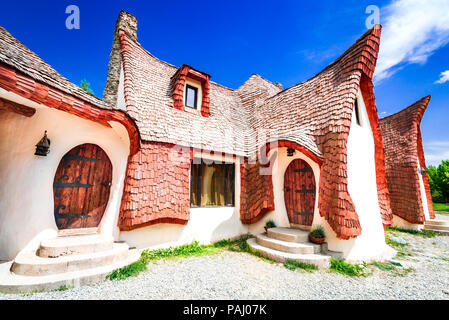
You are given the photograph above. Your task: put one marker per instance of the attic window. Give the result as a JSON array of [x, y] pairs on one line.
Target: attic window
[[357, 112], [191, 97]]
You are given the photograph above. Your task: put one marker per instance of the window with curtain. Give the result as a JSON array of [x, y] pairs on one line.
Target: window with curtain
[[211, 184]]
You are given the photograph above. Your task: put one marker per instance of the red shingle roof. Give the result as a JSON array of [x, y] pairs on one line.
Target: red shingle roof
[[404, 154], [315, 114]]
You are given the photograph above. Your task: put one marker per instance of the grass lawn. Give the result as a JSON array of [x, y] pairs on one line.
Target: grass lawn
[[441, 207]]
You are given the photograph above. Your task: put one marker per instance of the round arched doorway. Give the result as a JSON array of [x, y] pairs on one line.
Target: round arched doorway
[[81, 187], [299, 193]]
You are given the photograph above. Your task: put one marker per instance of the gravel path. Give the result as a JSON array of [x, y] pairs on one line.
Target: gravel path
[[231, 275]]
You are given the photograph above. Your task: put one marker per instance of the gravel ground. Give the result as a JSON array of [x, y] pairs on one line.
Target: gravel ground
[[232, 275]]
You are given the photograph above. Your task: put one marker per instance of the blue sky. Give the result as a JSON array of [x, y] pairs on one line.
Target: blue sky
[[283, 41]]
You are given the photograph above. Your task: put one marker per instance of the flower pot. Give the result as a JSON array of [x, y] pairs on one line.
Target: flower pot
[[316, 240]]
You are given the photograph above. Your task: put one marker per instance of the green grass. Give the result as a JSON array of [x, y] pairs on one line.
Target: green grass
[[147, 256], [352, 270], [62, 288], [187, 250], [421, 233], [441, 207], [293, 265], [402, 250], [128, 271], [394, 267], [241, 245]]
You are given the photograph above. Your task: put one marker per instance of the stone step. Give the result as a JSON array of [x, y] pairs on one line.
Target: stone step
[[288, 235], [437, 222], [29, 264], [441, 231], [436, 227], [12, 283], [285, 246], [319, 260], [72, 245]]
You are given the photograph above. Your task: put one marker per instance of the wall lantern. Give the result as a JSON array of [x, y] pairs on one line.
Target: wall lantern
[[422, 171], [43, 147], [290, 152]]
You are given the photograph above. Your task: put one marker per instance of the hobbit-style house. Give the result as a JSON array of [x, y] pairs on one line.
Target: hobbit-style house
[[168, 157]]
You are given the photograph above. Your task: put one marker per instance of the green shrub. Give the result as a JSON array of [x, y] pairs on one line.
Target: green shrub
[[270, 224], [318, 232], [353, 270], [293, 265], [86, 86]]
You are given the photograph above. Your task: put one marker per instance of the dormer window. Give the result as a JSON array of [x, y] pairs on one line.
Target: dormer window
[[191, 97], [191, 88]]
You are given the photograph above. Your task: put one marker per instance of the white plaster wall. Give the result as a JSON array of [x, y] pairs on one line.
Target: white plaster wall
[[26, 191], [206, 225], [280, 165], [404, 224], [423, 194], [363, 190]]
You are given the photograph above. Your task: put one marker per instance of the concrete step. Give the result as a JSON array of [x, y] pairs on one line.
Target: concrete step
[[72, 245], [29, 264], [436, 222], [12, 283], [440, 231], [436, 227], [285, 246], [288, 235], [319, 260]]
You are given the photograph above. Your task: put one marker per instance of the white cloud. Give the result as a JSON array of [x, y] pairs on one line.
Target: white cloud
[[435, 152], [444, 77], [412, 31]]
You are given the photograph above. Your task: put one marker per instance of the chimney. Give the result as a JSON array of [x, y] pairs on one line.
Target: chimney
[[128, 23], [278, 84]]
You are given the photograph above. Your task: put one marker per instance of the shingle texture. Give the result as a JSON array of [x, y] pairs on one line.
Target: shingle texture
[[156, 186], [315, 115], [404, 155]]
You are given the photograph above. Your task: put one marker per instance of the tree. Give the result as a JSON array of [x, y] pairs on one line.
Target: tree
[[85, 86], [439, 181]]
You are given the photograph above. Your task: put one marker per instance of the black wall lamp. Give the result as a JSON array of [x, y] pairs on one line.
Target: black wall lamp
[[43, 147], [290, 152]]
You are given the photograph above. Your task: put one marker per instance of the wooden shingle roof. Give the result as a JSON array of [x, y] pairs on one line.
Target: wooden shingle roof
[[404, 155]]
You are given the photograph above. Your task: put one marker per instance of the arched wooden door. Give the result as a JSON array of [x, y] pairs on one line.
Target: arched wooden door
[[299, 192], [81, 187]]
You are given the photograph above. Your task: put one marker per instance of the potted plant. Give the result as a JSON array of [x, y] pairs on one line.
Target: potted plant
[[269, 224], [317, 235]]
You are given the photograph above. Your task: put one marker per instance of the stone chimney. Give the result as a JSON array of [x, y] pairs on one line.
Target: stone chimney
[[128, 23], [278, 84]]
